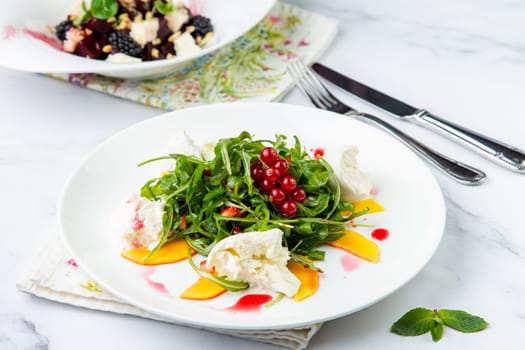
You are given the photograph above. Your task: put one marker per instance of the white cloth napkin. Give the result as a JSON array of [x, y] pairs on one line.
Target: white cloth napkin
[[55, 275]]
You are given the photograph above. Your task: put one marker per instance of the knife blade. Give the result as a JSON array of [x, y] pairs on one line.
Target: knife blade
[[497, 151]]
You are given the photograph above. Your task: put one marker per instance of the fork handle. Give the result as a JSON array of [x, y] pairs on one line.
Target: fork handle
[[461, 172], [505, 155]]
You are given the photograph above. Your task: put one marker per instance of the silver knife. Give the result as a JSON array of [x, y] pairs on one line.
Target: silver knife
[[503, 154]]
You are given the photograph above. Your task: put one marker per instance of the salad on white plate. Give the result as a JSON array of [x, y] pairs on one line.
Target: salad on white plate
[[170, 35]]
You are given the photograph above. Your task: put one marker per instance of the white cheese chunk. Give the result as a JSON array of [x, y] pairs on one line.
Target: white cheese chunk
[[355, 184], [144, 32], [257, 258], [122, 58], [138, 223], [185, 45], [177, 18]]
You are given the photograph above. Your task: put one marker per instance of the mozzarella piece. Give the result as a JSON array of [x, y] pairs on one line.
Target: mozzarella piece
[[257, 258], [177, 18], [355, 184], [145, 31], [185, 45], [138, 222], [122, 58]]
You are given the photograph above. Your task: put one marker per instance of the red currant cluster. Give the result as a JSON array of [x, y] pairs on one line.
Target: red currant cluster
[[270, 173]]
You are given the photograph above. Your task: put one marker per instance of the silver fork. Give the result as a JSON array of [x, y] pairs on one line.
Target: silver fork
[[322, 98]]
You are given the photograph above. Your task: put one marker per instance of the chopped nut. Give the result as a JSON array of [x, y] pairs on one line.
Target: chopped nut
[[112, 19], [198, 40], [88, 31], [149, 15], [156, 41], [174, 36], [190, 29], [170, 55], [107, 49], [138, 17], [72, 18], [123, 16], [206, 39], [155, 53]]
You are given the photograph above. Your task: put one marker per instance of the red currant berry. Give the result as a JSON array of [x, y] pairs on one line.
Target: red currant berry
[[289, 208], [288, 183], [299, 195], [272, 174], [282, 166], [269, 156], [257, 173], [277, 196], [266, 186]]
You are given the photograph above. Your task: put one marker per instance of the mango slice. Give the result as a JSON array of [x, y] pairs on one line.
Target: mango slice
[[308, 277], [373, 206], [203, 289], [171, 252], [358, 245]]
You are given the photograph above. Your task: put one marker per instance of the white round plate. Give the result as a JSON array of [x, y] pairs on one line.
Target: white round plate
[[22, 51], [415, 215]]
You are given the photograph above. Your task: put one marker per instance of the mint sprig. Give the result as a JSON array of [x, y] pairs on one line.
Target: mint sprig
[[104, 9], [420, 321], [164, 7]]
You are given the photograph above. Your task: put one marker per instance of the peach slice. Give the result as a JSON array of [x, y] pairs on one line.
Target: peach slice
[[169, 253], [308, 277], [203, 289], [358, 245], [373, 206]]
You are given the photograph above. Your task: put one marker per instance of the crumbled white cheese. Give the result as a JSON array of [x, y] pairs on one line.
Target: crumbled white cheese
[[257, 258], [122, 58], [185, 45], [355, 184], [177, 18], [144, 32], [182, 143], [73, 37], [138, 222]]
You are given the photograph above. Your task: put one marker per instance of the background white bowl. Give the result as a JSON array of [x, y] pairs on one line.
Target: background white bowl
[[231, 19]]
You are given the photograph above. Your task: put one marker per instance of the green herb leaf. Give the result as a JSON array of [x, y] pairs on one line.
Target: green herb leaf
[[462, 321], [164, 7], [415, 322], [437, 329], [104, 9]]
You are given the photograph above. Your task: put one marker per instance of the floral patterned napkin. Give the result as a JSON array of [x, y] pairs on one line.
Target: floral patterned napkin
[[251, 68]]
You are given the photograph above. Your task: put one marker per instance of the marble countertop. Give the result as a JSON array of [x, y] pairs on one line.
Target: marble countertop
[[463, 60]]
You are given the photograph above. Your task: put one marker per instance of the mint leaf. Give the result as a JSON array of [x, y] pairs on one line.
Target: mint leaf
[[415, 322], [164, 7], [437, 329], [104, 9], [462, 321]]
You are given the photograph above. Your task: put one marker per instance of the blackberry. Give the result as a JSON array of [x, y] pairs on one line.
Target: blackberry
[[62, 28], [202, 25], [122, 42]]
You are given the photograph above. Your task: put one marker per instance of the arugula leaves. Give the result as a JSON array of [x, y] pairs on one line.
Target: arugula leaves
[[199, 190], [420, 321]]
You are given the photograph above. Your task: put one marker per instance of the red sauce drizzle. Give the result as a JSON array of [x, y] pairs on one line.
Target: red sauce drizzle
[[44, 38], [349, 263], [159, 287], [250, 302], [380, 234]]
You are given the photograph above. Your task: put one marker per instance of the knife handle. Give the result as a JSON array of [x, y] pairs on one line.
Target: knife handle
[[461, 172], [501, 153]]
